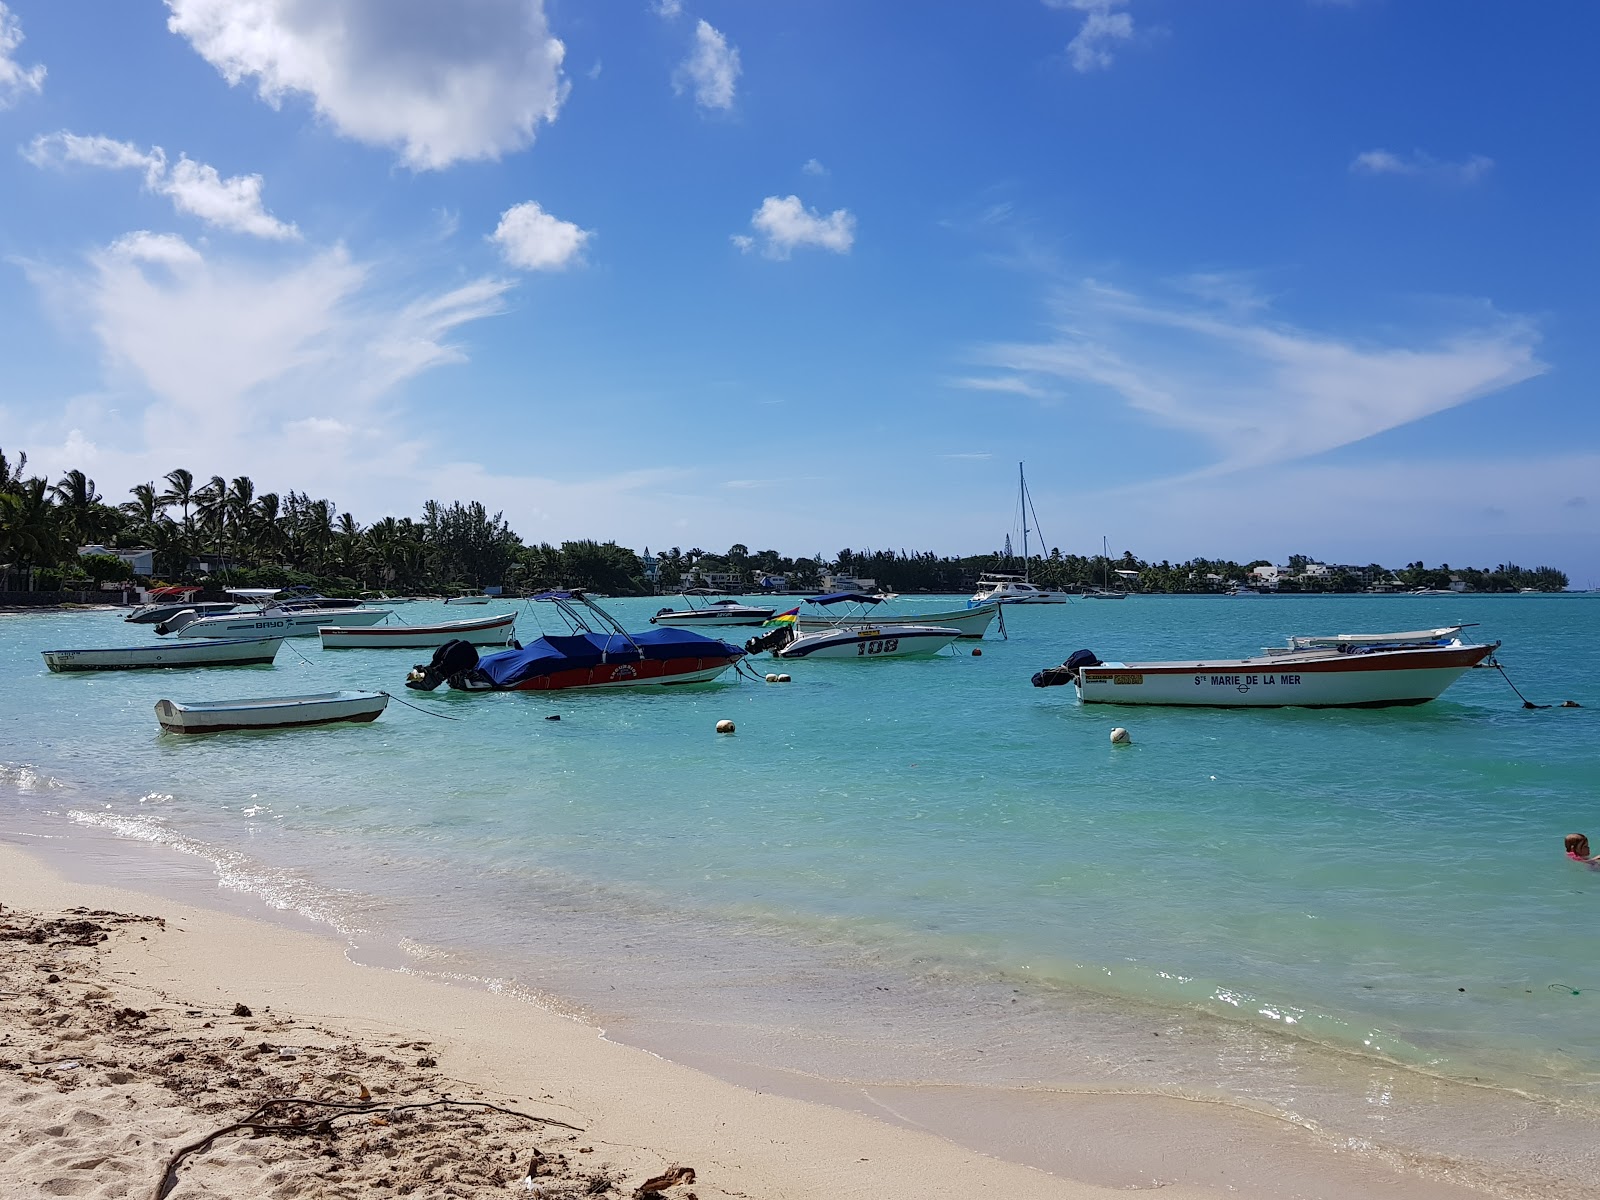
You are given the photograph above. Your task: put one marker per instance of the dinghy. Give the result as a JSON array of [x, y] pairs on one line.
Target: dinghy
[[270, 712], [483, 631], [231, 652]]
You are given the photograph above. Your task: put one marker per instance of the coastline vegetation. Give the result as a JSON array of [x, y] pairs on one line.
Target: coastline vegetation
[[224, 532]]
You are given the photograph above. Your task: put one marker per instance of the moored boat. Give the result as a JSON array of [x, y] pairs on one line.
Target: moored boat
[[287, 612], [167, 602], [1014, 589], [717, 613], [598, 653], [970, 622], [849, 636], [1368, 670], [471, 598], [481, 631], [270, 712], [230, 652]]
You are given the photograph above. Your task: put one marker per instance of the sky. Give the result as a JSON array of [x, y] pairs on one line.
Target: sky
[[1236, 279]]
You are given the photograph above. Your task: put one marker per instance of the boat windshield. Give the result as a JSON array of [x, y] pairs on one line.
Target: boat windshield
[[577, 610]]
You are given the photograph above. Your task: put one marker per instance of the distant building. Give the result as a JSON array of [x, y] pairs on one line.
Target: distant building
[[142, 562], [773, 583], [1270, 577], [652, 567], [847, 583]]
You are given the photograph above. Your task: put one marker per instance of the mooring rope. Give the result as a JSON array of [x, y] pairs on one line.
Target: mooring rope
[[419, 708]]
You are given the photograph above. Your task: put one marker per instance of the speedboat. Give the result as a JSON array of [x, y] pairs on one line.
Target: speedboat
[[167, 602], [849, 636], [284, 612], [970, 622], [1347, 670], [470, 598], [717, 612], [1014, 589], [383, 598], [480, 631], [213, 652], [270, 712], [598, 653]]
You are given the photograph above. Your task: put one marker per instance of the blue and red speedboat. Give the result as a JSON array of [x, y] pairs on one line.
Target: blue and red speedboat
[[598, 653]]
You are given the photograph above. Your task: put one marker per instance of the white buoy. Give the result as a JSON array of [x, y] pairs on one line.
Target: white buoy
[[783, 679], [771, 678], [724, 726], [1121, 737]]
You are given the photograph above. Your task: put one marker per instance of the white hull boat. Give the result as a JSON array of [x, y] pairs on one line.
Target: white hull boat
[[971, 622], [468, 599], [274, 623], [233, 652], [270, 712], [1014, 589], [1343, 671], [883, 641], [717, 613], [483, 631]]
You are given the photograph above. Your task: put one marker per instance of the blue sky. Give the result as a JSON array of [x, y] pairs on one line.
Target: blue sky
[[1236, 278]]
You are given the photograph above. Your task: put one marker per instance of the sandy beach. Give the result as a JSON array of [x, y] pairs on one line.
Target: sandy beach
[[137, 1025]]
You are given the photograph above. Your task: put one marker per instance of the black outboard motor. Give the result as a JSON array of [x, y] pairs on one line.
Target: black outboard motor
[[452, 658], [1067, 671], [774, 641]]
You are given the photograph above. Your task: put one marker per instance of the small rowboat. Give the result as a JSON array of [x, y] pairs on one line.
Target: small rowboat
[[230, 652], [270, 712], [483, 631]]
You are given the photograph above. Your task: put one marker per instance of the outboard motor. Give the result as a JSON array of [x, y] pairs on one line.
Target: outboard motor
[[452, 658], [177, 621], [774, 641], [1067, 672]]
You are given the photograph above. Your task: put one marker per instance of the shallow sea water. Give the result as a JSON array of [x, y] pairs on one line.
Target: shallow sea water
[[927, 870]]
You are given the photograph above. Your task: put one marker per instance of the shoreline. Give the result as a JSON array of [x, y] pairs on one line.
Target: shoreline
[[1187, 1146]]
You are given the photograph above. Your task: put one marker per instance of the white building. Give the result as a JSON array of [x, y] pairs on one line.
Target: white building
[[143, 562]]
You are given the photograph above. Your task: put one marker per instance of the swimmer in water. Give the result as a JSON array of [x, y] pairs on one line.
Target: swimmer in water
[[1578, 849]]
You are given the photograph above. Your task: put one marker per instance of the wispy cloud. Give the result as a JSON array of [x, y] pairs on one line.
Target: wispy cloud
[[441, 88], [1105, 26], [193, 187], [1260, 390], [1421, 164], [813, 167], [1016, 385], [16, 80], [969, 456], [712, 69], [783, 224], [667, 10], [533, 240]]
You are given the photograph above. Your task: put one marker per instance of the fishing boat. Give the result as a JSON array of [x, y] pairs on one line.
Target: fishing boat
[[470, 598], [717, 612], [284, 612], [1018, 589], [1347, 670], [481, 631], [167, 602], [230, 652], [598, 653], [270, 712], [848, 636]]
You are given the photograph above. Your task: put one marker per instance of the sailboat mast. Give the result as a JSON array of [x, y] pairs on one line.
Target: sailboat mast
[[1022, 500]]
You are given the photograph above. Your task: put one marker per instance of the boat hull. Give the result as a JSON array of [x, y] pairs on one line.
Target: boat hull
[[297, 624], [232, 652], [884, 641], [154, 614], [971, 623], [468, 599], [697, 618], [1401, 677], [635, 674], [272, 712], [486, 631]]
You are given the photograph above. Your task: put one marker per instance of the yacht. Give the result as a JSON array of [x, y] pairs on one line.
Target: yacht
[[1017, 589]]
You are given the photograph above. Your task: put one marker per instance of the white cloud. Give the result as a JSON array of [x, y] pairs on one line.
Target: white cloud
[[442, 82], [167, 249], [1418, 163], [1262, 391], [1104, 25], [667, 9], [195, 188], [533, 240], [1001, 383], [813, 167], [712, 68], [16, 80], [785, 224]]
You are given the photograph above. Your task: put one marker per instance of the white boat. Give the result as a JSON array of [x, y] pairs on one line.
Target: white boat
[[384, 598], [167, 602], [287, 612], [848, 636], [475, 598], [232, 652], [1018, 589], [1425, 591], [1105, 591], [270, 712], [1241, 590], [970, 622], [717, 612], [1349, 670], [480, 631]]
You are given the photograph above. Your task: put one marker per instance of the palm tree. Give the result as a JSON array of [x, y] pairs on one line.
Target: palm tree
[[145, 509], [180, 491], [349, 544], [29, 534], [11, 476], [266, 532], [238, 504], [77, 502]]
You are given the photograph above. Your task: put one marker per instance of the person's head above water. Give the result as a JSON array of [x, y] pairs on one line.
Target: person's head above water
[[1578, 845]]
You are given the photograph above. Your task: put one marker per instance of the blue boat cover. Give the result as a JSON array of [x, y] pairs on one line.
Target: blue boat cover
[[548, 655], [841, 597]]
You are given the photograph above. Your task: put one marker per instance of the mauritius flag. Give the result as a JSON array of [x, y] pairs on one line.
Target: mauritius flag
[[786, 618]]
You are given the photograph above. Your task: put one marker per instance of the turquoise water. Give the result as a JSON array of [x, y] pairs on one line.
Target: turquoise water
[[1385, 883]]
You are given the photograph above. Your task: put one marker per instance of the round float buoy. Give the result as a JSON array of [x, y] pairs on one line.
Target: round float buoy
[[783, 679], [977, 653], [724, 726], [771, 678], [1121, 737]]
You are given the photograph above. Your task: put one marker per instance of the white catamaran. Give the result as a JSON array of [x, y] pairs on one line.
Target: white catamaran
[[1017, 589]]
